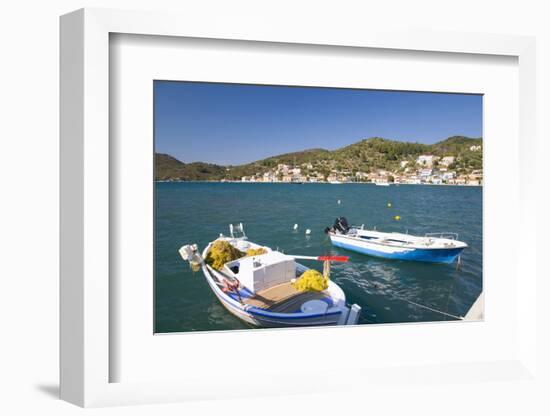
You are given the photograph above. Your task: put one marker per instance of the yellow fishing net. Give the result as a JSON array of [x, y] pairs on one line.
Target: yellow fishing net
[[255, 251], [222, 252], [311, 280]]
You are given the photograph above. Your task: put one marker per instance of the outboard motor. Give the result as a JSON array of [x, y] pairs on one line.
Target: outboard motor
[[341, 225]]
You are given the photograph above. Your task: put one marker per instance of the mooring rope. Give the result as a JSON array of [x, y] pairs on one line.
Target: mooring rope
[[431, 309]]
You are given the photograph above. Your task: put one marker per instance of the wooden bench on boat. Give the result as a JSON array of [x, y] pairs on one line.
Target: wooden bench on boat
[[283, 298]]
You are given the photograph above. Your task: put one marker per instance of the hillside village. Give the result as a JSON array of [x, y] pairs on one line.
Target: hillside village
[[426, 169], [454, 161]]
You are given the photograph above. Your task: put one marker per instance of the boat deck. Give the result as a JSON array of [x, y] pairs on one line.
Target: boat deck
[[406, 240], [282, 298]]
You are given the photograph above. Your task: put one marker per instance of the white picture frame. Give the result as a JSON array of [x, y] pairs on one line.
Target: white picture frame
[[86, 356]]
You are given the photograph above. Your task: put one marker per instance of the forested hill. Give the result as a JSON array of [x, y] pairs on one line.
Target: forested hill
[[363, 156], [168, 167]]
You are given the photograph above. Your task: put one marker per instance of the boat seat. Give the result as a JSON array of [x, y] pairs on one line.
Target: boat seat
[[282, 298]]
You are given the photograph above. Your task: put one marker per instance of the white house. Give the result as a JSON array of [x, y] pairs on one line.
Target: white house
[[447, 160], [413, 180], [426, 160], [425, 174], [448, 175], [282, 168], [270, 177], [475, 148]]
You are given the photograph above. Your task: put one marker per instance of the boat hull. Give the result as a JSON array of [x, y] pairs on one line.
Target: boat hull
[[435, 255], [337, 314], [263, 318]]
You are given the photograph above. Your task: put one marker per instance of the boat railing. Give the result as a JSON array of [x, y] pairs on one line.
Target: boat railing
[[450, 236], [237, 231]]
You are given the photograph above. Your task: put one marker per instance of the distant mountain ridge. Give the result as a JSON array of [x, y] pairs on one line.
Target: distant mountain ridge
[[364, 156]]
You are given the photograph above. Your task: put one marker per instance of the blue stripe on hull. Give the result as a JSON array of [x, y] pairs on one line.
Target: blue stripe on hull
[[264, 318], [430, 256]]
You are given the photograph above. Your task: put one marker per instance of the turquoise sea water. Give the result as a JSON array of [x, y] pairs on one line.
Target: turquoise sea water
[[199, 212]]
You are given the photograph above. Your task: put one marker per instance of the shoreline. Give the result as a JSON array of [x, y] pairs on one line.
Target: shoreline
[[322, 183]]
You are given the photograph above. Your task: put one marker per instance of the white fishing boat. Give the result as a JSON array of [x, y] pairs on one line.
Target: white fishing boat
[[382, 183], [432, 247], [260, 289]]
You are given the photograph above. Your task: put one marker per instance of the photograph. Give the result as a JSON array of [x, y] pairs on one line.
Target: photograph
[[281, 206]]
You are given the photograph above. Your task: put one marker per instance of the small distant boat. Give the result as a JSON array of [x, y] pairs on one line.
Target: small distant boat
[[258, 289], [382, 183], [432, 247], [335, 182]]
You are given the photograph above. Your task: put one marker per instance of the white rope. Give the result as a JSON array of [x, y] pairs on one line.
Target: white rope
[[432, 309]]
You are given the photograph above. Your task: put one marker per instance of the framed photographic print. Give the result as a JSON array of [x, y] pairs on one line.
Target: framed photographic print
[[289, 164], [285, 199]]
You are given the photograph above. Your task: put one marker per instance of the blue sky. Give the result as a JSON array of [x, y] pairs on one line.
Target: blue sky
[[234, 123]]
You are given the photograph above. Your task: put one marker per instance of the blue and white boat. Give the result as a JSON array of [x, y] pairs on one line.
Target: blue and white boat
[[432, 247], [258, 289]]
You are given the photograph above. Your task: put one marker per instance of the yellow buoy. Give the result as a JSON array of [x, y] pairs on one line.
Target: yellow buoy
[[397, 218], [389, 204]]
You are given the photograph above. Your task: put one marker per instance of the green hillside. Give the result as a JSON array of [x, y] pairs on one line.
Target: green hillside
[[460, 146], [168, 167], [365, 156]]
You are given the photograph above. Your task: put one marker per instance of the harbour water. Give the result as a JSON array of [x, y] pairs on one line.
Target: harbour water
[[387, 290]]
